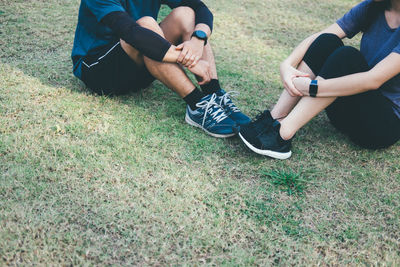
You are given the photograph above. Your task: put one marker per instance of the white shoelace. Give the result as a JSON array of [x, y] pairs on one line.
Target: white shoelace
[[226, 98], [218, 114]]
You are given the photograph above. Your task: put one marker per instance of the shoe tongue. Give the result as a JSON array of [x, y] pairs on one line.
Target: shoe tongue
[[266, 115], [276, 124]]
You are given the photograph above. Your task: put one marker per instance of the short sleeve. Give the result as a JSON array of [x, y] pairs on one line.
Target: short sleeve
[[354, 20], [101, 8], [171, 3], [397, 49]]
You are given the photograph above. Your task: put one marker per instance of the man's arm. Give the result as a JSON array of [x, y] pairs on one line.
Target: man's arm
[[144, 40]]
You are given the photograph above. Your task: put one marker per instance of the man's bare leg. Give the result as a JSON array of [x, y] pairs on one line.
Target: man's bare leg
[[173, 76], [170, 74], [178, 28]]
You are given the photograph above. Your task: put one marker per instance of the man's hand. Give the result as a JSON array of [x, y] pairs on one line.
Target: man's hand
[[302, 84], [202, 72], [191, 52], [288, 73]]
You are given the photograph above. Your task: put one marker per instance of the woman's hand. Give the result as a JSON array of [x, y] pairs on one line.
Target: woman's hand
[[288, 73], [191, 52], [202, 72], [302, 84]]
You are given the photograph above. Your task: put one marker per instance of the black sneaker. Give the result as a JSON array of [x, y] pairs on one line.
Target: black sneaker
[[262, 122], [267, 142]]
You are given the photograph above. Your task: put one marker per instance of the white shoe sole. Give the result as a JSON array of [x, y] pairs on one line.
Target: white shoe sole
[[191, 122], [269, 153]]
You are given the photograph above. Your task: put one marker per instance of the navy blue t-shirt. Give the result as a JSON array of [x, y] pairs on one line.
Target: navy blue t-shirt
[[91, 36], [377, 42]]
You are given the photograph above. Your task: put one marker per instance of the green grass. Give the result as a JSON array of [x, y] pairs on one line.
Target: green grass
[[89, 180]]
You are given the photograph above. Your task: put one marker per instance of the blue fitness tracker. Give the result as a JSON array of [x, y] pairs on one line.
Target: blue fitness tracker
[[313, 88]]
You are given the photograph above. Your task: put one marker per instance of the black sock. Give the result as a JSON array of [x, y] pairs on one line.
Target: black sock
[[211, 87], [193, 98]]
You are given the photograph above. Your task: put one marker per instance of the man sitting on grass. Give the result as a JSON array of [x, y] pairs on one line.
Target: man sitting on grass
[[119, 47]]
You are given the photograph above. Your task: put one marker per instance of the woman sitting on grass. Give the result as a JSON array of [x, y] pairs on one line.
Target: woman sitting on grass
[[360, 90]]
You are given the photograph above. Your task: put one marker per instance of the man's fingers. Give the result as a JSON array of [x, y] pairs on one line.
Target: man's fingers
[[209, 76], [188, 59], [195, 61], [182, 55], [204, 78]]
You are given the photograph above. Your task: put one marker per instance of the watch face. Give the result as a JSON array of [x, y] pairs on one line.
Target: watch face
[[201, 34]]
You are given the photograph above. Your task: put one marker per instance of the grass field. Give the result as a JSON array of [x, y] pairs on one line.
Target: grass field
[[89, 180]]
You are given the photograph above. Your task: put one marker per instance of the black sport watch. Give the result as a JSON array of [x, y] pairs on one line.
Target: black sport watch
[[200, 35]]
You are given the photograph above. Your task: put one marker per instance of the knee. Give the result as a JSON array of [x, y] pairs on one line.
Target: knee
[[347, 53], [329, 40], [148, 22], [343, 61], [350, 59], [320, 50], [185, 18]]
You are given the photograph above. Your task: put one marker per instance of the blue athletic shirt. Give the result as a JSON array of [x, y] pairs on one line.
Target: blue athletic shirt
[[91, 36], [377, 42]]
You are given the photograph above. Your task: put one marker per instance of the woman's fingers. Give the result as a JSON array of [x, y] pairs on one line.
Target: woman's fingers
[[292, 89]]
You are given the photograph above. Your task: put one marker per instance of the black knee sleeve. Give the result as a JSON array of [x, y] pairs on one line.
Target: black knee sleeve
[[320, 50]]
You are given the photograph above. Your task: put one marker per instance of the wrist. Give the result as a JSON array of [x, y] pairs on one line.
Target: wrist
[[172, 55], [197, 40]]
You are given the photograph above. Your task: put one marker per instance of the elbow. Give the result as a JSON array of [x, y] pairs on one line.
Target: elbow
[[375, 83], [372, 80]]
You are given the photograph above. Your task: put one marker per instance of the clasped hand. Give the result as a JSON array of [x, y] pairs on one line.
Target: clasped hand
[[191, 52], [190, 57], [296, 83]]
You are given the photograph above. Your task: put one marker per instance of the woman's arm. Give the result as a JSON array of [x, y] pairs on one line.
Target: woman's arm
[[288, 67], [354, 83]]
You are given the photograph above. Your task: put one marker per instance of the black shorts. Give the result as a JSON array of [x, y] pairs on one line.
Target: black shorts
[[112, 72]]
